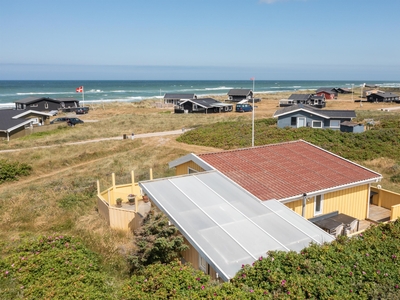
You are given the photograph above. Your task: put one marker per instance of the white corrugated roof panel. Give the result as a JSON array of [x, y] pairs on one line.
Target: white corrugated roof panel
[[227, 225]]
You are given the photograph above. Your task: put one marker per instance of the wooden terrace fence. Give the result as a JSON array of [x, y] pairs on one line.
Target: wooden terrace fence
[[387, 199], [126, 217]]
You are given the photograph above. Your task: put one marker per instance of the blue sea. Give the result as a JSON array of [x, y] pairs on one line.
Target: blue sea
[[97, 91]]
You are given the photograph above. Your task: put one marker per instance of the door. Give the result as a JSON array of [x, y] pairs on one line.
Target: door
[[301, 122]]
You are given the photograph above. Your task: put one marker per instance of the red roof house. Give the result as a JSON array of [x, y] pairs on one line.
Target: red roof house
[[289, 172]]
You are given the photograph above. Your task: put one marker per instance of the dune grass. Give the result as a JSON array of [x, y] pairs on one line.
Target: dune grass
[[59, 195]]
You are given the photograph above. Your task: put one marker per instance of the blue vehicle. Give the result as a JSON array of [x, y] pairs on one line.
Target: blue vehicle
[[243, 107]]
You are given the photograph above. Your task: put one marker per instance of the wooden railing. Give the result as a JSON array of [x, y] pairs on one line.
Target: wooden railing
[[387, 199], [120, 217]]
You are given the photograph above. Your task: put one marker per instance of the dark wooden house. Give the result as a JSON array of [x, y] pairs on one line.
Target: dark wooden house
[[236, 95], [307, 99], [175, 98], [45, 103], [17, 123], [202, 105], [383, 97]]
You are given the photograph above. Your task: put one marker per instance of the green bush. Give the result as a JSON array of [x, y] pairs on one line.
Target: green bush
[[52, 267], [11, 171], [383, 142], [364, 267], [156, 242]]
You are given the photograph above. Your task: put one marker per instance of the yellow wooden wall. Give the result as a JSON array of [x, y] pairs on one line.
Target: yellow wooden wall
[[395, 212], [183, 168], [192, 256], [385, 198], [352, 201]]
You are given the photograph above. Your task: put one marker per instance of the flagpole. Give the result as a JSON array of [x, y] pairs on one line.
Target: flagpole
[[252, 125], [83, 96]]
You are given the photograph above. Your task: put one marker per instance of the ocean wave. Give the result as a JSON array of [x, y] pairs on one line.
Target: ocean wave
[[219, 88], [129, 99], [391, 85], [7, 105], [207, 89], [42, 93]]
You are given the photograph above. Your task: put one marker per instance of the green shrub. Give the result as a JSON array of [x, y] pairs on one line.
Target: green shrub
[[383, 142], [52, 267], [363, 267], [11, 171], [156, 242]]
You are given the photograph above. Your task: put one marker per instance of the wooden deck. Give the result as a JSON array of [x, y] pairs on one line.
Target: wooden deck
[[378, 214]]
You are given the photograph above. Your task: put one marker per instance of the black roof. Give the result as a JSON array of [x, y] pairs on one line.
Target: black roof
[[179, 96], [300, 97], [322, 112], [204, 102], [239, 92], [66, 100], [386, 95], [30, 100], [316, 97], [327, 90], [7, 121]]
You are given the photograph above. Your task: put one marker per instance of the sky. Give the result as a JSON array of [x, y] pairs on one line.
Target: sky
[[200, 39]]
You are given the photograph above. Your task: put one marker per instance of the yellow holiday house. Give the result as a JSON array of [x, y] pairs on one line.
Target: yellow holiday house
[[308, 179]]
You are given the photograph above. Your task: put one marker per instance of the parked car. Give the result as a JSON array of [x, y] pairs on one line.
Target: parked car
[[82, 110], [73, 121], [58, 120], [243, 107], [70, 121]]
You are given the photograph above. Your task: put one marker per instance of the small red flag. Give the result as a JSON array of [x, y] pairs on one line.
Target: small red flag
[[252, 78], [79, 89]]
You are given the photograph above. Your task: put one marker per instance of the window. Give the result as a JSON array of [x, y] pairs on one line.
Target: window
[[202, 264], [293, 121], [191, 171], [318, 204], [316, 124], [335, 123]]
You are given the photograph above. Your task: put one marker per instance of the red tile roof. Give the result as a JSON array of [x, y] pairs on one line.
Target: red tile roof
[[285, 170]]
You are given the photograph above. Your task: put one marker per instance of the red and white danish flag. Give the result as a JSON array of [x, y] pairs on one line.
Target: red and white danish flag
[[79, 89]]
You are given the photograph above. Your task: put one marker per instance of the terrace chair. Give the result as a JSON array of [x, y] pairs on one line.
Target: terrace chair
[[353, 226], [337, 231]]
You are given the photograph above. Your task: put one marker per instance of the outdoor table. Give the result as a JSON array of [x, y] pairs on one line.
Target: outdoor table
[[345, 219], [328, 224]]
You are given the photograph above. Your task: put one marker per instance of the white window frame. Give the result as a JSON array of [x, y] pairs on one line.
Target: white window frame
[[202, 264], [320, 205], [315, 121], [332, 126], [298, 121]]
